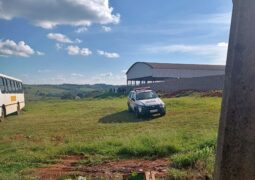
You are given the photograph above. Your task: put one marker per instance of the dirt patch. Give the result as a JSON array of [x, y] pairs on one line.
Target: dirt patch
[[19, 137], [212, 94], [69, 166], [58, 139], [180, 93]]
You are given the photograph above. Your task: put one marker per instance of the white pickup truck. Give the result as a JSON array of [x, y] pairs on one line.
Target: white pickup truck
[[144, 102]]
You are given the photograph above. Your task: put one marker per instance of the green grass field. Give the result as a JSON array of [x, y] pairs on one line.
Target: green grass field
[[103, 129]]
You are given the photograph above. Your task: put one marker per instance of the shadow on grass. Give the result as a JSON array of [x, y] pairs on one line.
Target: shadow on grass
[[124, 117]]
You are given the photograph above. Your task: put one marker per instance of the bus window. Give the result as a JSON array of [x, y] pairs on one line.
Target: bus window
[[5, 85], [16, 86], [9, 86], [21, 88], [12, 86], [1, 84]]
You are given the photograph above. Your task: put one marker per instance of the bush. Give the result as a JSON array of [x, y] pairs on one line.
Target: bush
[[147, 146], [189, 159], [67, 96], [203, 153]]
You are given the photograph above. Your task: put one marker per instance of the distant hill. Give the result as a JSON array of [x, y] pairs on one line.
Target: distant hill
[[65, 91]]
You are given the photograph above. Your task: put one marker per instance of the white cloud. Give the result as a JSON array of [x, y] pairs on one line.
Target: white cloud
[[81, 29], [48, 13], [77, 75], [59, 46], [109, 74], [215, 52], [222, 44], [111, 55], [202, 19], [106, 28], [59, 37], [78, 41], [218, 18], [74, 78], [39, 53], [108, 78], [44, 71], [75, 50], [11, 48], [123, 71], [85, 52]]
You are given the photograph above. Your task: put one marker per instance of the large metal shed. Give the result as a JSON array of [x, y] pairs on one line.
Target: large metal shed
[[147, 72]]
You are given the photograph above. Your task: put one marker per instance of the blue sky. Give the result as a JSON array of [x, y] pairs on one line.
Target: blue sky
[[96, 41]]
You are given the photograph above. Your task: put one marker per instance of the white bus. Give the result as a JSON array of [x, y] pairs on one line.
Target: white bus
[[11, 96]]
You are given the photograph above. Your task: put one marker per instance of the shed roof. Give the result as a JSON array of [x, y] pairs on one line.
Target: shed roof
[[180, 66], [9, 77]]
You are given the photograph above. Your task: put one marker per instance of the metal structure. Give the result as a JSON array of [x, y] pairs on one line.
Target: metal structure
[[146, 72]]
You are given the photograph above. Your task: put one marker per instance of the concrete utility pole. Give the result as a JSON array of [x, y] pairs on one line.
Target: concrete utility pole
[[235, 158]]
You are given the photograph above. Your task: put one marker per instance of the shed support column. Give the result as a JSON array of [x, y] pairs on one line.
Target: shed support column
[[236, 141]]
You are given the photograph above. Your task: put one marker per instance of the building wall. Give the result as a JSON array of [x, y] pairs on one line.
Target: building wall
[[197, 83], [185, 73]]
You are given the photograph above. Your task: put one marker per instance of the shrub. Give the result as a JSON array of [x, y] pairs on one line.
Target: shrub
[[189, 159], [147, 146]]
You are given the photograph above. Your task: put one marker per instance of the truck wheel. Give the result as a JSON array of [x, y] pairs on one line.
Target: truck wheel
[[137, 114], [163, 114], [129, 108], [18, 109], [3, 115]]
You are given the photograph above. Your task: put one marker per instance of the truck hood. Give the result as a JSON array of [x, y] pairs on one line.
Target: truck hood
[[150, 102]]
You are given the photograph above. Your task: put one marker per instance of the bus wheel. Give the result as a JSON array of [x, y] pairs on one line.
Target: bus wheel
[[3, 114], [18, 109]]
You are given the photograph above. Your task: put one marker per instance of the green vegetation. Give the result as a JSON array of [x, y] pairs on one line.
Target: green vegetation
[[102, 129], [65, 91]]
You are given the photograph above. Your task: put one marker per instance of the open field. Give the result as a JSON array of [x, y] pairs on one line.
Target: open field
[[64, 91], [102, 129]]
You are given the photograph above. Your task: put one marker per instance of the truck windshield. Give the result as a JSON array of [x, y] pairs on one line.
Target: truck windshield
[[146, 95]]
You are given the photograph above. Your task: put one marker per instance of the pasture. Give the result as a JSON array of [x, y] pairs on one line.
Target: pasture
[[102, 129]]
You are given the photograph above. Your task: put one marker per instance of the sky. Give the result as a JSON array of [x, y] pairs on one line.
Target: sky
[[96, 41]]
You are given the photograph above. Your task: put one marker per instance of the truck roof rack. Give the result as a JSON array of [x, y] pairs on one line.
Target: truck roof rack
[[142, 88]]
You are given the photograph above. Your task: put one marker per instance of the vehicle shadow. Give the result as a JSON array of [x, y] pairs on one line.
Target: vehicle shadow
[[124, 117]]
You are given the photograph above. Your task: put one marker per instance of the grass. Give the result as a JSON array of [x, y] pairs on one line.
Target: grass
[[102, 128]]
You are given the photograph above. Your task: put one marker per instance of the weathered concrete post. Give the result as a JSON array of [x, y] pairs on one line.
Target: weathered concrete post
[[235, 157]]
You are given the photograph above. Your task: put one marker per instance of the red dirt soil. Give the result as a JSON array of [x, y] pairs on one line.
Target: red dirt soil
[[68, 166]]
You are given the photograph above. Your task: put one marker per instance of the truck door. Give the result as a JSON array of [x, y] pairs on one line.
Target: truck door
[[132, 101]]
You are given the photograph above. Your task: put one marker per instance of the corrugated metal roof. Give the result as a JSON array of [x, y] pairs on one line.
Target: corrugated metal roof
[[9, 77], [185, 66], [181, 66]]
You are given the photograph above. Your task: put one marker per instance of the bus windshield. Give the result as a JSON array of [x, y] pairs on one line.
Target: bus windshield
[[146, 95]]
